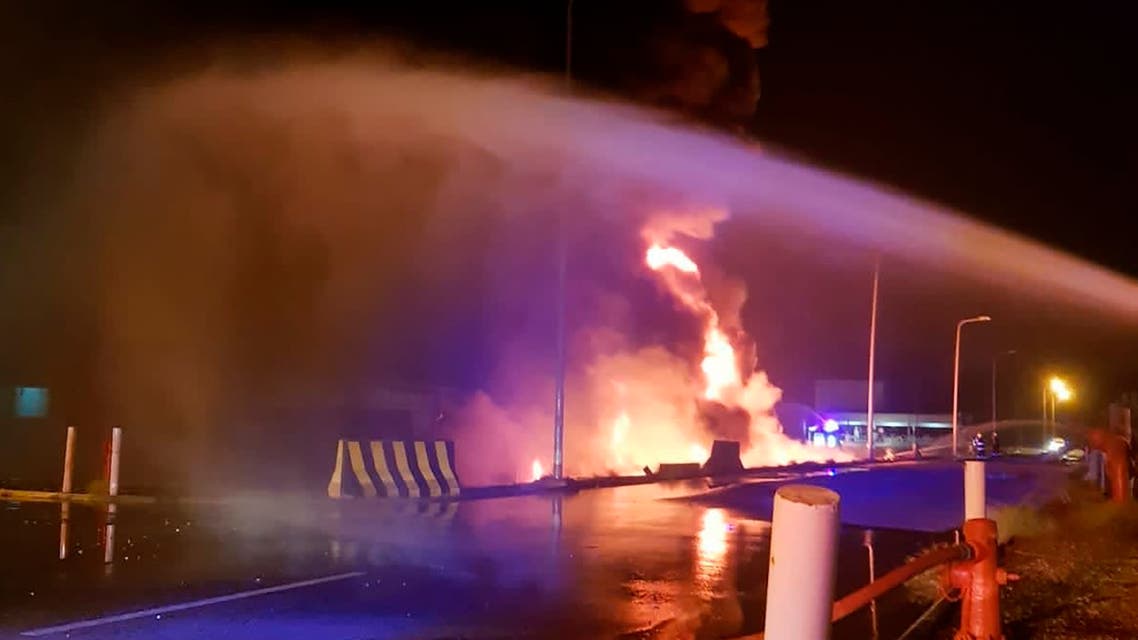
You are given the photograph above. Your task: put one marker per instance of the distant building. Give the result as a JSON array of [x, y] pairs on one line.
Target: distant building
[[841, 407]]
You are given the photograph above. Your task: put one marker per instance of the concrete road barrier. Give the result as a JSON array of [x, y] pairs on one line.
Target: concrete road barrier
[[724, 458], [394, 469]]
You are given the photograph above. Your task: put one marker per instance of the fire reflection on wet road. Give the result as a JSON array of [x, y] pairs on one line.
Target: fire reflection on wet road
[[608, 563]]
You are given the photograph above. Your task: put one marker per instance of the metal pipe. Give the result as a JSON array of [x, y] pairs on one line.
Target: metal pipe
[[897, 577], [804, 547], [872, 576], [872, 350]]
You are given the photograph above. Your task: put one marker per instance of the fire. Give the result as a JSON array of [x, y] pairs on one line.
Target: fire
[[720, 364], [658, 418], [620, 428], [537, 472], [659, 257]]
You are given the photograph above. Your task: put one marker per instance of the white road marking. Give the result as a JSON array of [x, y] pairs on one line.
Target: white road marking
[[194, 604]]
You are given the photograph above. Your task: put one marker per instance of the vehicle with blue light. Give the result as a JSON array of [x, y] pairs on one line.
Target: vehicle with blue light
[[829, 434]]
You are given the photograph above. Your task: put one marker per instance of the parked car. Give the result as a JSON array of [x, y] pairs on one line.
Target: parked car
[[1074, 456]]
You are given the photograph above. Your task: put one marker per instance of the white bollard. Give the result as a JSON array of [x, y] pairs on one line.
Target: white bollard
[[975, 491], [68, 460], [804, 552], [116, 446]]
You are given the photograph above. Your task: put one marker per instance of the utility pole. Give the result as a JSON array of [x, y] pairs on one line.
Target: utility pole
[[562, 259], [872, 351]]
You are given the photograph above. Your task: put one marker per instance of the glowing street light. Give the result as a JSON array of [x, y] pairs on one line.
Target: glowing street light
[[956, 376], [1055, 390], [1060, 390]]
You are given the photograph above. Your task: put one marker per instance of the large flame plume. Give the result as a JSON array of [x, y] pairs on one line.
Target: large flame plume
[[735, 400], [632, 408]]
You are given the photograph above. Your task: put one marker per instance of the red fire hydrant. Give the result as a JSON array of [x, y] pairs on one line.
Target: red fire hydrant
[[1117, 452], [978, 580]]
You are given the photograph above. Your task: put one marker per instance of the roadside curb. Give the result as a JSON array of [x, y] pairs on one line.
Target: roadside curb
[[23, 495]]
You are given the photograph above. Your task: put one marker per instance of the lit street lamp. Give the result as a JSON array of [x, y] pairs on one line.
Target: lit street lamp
[[956, 378], [1057, 390], [872, 348]]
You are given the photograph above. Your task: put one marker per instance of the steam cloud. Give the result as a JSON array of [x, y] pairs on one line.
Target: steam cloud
[[241, 233]]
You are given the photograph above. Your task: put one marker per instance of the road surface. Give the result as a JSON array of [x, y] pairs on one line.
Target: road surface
[[649, 561]]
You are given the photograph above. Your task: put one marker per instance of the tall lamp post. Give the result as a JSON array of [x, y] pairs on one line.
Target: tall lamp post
[[995, 359], [872, 349], [562, 259], [956, 378]]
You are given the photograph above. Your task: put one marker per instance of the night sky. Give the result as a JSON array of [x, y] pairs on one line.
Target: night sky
[[1019, 115]]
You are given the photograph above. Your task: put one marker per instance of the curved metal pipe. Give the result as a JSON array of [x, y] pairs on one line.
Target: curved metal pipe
[[897, 577]]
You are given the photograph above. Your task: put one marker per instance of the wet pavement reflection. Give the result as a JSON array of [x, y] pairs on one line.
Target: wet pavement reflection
[[626, 562]]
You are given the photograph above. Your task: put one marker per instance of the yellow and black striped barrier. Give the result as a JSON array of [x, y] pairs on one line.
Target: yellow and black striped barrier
[[394, 469]]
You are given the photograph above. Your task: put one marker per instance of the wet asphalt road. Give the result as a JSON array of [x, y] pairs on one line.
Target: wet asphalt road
[[640, 561]]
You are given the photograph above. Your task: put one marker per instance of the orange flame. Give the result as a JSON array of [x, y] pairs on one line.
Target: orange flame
[[724, 380], [537, 472], [658, 257], [719, 365]]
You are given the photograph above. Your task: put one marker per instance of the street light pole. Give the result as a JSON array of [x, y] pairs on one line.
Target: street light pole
[[995, 359], [562, 259], [568, 43], [872, 350], [1058, 390], [956, 378]]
